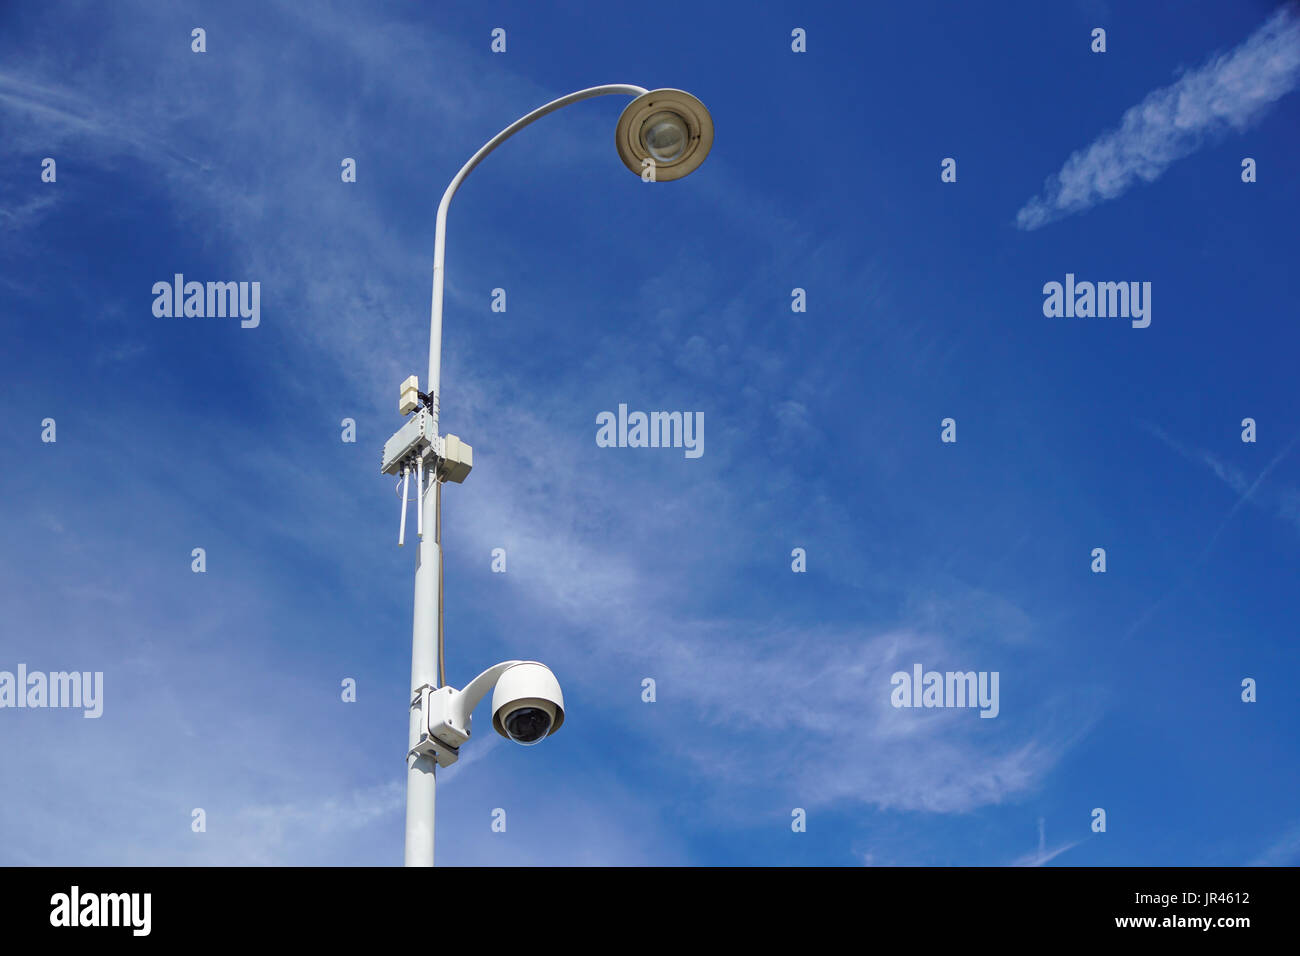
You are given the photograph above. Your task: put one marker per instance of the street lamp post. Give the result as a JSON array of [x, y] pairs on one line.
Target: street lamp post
[[661, 135]]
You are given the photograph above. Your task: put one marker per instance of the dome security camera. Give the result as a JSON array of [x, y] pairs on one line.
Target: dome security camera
[[527, 705]]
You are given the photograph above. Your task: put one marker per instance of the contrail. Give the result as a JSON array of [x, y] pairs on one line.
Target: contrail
[[1229, 93], [1205, 552]]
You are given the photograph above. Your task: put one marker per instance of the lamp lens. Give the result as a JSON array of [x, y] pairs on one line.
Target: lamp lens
[[664, 136]]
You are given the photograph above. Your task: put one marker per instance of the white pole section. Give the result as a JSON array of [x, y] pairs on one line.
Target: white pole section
[[419, 493], [401, 532], [420, 781]]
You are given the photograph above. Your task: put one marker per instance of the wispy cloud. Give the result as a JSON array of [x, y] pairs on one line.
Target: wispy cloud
[[1043, 854], [1230, 93], [1285, 851]]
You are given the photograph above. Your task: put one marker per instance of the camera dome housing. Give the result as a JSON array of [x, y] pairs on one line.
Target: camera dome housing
[[527, 704]]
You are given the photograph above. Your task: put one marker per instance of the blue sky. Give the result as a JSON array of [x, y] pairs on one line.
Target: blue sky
[[1119, 690]]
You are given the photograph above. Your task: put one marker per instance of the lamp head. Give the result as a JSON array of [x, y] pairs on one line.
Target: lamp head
[[670, 128]]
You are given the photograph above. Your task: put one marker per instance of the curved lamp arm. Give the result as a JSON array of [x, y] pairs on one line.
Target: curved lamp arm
[[439, 245], [464, 702]]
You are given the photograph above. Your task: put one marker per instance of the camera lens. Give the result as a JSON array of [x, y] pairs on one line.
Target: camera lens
[[527, 725]]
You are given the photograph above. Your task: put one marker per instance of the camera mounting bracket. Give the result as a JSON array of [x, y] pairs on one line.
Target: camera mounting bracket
[[446, 719]]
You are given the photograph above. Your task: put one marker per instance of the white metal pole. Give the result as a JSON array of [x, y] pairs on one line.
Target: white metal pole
[[420, 780], [419, 493], [421, 784], [401, 528]]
